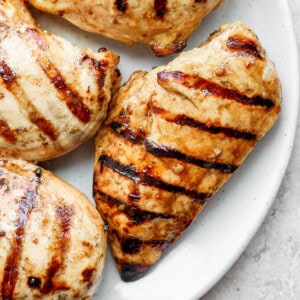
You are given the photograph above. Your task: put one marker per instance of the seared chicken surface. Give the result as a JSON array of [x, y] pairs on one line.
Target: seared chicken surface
[[174, 136], [52, 241], [53, 95], [163, 24]]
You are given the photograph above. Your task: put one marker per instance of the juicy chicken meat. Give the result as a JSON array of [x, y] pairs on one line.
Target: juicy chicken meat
[[52, 239], [163, 24], [54, 96], [174, 136]]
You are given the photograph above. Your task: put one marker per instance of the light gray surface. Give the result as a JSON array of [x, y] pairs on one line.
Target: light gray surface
[[270, 266]]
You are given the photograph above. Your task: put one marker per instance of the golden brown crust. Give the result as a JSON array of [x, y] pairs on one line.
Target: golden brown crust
[[174, 136], [163, 24]]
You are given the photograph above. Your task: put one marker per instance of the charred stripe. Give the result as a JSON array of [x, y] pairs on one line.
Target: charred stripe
[[71, 97], [99, 67], [131, 271], [135, 214], [125, 132], [167, 152], [209, 87], [34, 116], [27, 203], [34, 34], [67, 94], [53, 268], [130, 172], [6, 74], [87, 276], [6, 132], [243, 45], [209, 127], [160, 7], [64, 214], [184, 120], [44, 125], [133, 245]]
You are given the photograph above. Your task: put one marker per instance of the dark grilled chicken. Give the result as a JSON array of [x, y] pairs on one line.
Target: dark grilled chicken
[[174, 136], [163, 24], [52, 241], [53, 95]]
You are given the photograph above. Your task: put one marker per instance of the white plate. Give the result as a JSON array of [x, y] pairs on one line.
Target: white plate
[[217, 238]]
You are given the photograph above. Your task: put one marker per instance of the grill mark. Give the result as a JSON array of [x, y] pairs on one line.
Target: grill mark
[[229, 132], [131, 271], [167, 152], [71, 97], [130, 172], [27, 203], [33, 32], [64, 214], [7, 74], [123, 130], [66, 93], [243, 45], [44, 125], [33, 115], [87, 276], [121, 5], [160, 7], [54, 266], [100, 68], [133, 245], [200, 1], [182, 119], [6, 133], [208, 87], [136, 215]]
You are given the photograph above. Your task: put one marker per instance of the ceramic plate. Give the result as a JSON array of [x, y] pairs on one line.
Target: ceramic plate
[[217, 238]]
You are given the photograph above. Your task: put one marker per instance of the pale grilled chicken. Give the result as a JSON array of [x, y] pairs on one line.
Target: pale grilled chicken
[[53, 95], [52, 239], [163, 24], [174, 136]]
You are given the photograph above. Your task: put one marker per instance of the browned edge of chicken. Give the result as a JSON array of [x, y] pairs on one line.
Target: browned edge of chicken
[[174, 136], [165, 25]]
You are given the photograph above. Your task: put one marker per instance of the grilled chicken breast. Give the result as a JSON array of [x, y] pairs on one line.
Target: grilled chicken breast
[[52, 241], [164, 25], [174, 136], [53, 95]]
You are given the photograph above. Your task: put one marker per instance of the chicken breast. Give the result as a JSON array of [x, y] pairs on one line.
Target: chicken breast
[[53, 95], [174, 136], [52, 239], [164, 25]]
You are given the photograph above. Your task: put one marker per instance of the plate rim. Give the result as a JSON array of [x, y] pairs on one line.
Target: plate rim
[[296, 74]]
